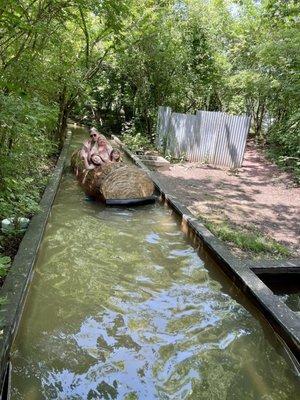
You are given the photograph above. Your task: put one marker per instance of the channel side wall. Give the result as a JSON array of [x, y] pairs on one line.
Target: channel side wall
[[15, 288], [284, 321], [19, 277]]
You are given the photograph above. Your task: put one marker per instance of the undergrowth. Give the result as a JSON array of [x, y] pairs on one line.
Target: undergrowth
[[136, 141], [286, 163], [246, 239]]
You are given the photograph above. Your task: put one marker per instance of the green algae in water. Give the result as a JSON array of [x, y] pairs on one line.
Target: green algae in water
[[122, 307]]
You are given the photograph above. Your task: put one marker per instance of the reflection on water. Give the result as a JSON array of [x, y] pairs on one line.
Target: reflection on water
[[122, 307]]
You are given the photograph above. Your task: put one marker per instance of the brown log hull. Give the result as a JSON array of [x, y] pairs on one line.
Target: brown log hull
[[112, 181]]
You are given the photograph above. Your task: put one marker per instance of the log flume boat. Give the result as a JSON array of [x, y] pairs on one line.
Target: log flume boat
[[116, 184]]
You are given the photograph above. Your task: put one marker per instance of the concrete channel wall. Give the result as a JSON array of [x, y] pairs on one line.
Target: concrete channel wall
[[17, 282], [212, 137], [283, 320], [19, 278]]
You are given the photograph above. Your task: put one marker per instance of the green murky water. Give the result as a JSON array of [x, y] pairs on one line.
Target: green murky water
[[122, 307]]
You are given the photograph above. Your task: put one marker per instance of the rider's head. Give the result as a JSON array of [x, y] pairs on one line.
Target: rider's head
[[94, 134], [102, 141]]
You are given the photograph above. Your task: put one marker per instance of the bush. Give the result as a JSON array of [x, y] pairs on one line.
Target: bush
[[136, 140], [284, 139], [4, 265], [24, 154]]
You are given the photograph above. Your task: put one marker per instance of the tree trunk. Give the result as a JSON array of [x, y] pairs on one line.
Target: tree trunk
[[62, 118]]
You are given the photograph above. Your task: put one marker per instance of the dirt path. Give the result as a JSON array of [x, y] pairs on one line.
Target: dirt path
[[258, 195]]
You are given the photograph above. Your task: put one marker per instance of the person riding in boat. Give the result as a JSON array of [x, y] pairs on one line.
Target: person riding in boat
[[104, 150], [115, 155], [97, 151]]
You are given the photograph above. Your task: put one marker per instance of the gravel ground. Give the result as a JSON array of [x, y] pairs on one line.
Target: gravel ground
[[258, 195]]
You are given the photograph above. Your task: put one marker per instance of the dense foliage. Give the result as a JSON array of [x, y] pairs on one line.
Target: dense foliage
[[234, 56], [112, 62], [48, 52]]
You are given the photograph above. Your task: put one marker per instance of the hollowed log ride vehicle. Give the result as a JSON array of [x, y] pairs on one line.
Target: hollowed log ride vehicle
[[114, 183]]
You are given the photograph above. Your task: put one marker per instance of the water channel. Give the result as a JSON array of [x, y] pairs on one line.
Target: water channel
[[122, 307]]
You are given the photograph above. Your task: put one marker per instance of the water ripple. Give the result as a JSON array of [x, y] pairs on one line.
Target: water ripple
[[122, 307]]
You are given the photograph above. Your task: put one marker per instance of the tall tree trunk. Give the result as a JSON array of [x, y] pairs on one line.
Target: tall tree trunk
[[62, 118]]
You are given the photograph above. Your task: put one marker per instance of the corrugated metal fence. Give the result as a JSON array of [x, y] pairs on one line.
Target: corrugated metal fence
[[213, 137], [163, 119]]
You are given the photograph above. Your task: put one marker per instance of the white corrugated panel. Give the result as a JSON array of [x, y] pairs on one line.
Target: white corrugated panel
[[213, 137], [163, 120], [183, 130]]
